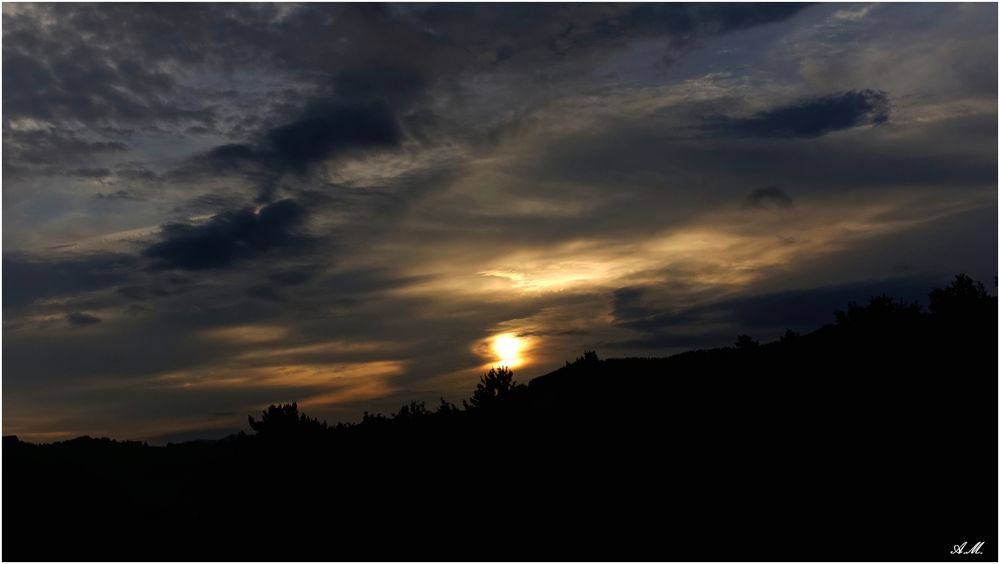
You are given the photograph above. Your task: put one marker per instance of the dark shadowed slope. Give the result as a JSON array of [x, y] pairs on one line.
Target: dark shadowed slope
[[873, 438]]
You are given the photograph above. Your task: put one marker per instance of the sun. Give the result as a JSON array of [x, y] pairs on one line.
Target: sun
[[508, 348]]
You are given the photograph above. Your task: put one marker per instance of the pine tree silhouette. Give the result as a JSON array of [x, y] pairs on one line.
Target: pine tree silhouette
[[493, 387]]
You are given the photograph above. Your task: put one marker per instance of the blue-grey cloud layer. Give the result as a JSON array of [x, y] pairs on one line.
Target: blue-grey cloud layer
[[813, 117]]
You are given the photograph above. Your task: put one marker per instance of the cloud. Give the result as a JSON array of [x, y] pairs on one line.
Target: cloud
[[41, 147], [79, 83], [229, 237], [683, 21], [393, 84], [524, 34], [666, 325], [244, 77], [324, 132], [281, 279], [853, 15], [768, 197], [120, 194], [81, 319], [295, 275], [27, 279], [813, 117]]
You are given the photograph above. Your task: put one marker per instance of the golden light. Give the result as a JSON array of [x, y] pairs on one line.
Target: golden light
[[508, 348]]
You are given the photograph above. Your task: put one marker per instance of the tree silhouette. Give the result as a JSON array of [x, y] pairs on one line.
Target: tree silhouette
[[446, 408], [790, 336], [284, 420], [493, 387], [961, 296], [746, 342], [881, 312], [589, 358], [412, 410]]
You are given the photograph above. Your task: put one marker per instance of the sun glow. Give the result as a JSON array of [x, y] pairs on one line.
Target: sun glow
[[508, 349]]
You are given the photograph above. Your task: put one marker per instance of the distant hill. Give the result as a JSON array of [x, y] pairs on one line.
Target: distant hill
[[872, 438]]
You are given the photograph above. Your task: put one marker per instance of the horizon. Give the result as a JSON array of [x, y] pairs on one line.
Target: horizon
[[201, 435], [209, 209]]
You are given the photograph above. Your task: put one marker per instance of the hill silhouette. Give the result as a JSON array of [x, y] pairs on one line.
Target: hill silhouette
[[871, 438]]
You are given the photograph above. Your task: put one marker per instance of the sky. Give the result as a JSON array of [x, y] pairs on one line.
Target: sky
[[211, 208]]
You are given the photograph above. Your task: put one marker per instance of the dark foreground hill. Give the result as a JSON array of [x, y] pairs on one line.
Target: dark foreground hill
[[873, 438]]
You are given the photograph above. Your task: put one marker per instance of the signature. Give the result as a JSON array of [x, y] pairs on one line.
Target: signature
[[960, 548]]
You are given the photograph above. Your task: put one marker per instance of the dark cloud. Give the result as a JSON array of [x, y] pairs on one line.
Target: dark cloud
[[107, 67], [367, 106], [159, 287], [120, 194], [367, 281], [559, 29], [232, 156], [279, 280], [321, 133], [650, 154], [351, 286], [27, 279], [764, 316], [388, 83], [683, 23], [104, 70], [47, 147], [60, 164], [768, 197], [808, 308], [814, 117], [81, 319], [627, 303], [324, 132], [229, 237], [556, 333], [109, 64], [90, 172], [294, 276], [76, 82]]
